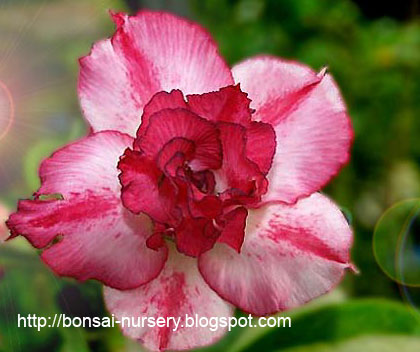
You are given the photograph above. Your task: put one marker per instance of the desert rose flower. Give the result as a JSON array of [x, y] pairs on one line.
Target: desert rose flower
[[196, 190]]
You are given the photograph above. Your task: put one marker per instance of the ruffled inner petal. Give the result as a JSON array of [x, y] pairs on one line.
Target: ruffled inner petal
[[200, 160], [181, 123], [229, 104], [145, 188]]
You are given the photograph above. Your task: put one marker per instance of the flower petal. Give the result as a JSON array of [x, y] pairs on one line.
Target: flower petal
[[261, 144], [177, 291], [96, 237], [291, 255], [142, 190], [161, 101], [168, 124], [150, 52], [238, 173], [229, 104], [109, 98], [234, 228], [195, 236], [313, 130]]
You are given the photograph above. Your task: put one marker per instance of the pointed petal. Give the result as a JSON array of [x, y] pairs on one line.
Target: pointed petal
[[150, 52], [234, 228], [108, 95], [177, 291], [313, 130], [88, 234], [291, 255]]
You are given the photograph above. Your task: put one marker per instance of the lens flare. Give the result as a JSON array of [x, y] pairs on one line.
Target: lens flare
[[7, 110], [396, 245], [396, 242]]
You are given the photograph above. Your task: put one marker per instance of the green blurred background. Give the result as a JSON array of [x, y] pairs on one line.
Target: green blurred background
[[373, 50]]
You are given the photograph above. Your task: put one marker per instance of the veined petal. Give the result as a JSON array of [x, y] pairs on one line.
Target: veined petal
[[150, 52], [313, 130], [177, 291], [96, 236], [108, 96], [291, 254]]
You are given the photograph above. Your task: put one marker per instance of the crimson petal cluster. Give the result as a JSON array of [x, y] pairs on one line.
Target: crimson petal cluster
[[193, 169], [196, 190]]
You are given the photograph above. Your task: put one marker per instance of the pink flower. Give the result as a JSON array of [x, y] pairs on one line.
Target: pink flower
[[196, 188]]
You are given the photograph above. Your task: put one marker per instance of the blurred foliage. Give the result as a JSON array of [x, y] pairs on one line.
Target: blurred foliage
[[376, 62]]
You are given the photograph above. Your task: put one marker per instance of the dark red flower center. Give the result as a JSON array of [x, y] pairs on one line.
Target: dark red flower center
[[196, 166]]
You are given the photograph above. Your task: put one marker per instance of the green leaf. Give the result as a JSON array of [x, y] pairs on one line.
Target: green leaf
[[339, 322], [364, 343]]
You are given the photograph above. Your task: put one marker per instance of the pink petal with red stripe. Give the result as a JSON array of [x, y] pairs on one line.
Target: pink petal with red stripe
[[97, 237], [307, 112], [177, 291], [291, 254], [150, 52]]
